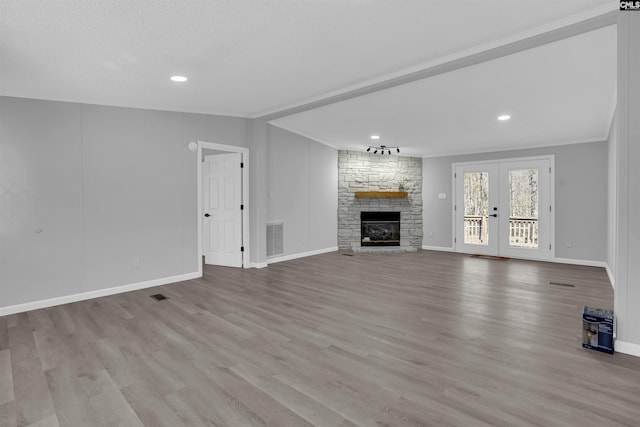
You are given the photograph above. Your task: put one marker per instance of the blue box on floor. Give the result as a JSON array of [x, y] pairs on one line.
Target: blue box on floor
[[597, 329]]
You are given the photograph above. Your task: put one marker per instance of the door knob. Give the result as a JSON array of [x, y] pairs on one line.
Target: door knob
[[207, 215]]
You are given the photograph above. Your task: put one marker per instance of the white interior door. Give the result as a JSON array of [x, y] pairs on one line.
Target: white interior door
[[504, 208], [222, 212]]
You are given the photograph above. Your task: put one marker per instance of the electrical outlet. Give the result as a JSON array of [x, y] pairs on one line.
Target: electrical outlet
[[136, 262], [568, 243], [431, 234]]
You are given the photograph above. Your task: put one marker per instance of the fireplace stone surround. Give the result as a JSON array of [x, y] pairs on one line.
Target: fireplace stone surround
[[361, 171]]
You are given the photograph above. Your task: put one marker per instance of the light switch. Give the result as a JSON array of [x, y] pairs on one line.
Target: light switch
[[442, 196]]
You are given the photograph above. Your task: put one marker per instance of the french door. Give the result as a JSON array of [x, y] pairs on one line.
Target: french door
[[504, 208]]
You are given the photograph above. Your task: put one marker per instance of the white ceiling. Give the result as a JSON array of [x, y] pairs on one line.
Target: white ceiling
[[558, 93], [252, 58]]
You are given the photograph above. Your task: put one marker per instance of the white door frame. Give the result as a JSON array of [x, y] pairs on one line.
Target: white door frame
[[552, 196], [203, 145]]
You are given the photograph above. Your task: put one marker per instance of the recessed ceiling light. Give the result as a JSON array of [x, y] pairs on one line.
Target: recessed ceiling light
[[375, 136], [179, 78], [504, 117]]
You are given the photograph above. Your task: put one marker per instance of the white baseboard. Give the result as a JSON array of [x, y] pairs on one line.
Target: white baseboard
[[627, 348], [301, 255], [257, 265], [35, 305], [588, 263], [437, 248]]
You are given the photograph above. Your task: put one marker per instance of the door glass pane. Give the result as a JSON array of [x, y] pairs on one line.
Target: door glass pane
[[476, 207], [523, 208]]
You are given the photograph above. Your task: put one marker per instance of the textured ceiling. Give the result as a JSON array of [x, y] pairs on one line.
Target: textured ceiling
[[254, 57]]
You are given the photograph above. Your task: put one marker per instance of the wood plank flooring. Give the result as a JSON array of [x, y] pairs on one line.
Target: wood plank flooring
[[415, 339]]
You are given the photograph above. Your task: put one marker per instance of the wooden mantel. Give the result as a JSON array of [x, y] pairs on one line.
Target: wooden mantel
[[382, 194]]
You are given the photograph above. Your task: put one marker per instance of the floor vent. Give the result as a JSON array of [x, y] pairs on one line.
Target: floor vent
[[159, 297], [566, 285], [275, 239]]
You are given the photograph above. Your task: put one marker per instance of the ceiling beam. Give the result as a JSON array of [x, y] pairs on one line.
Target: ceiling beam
[[530, 42]]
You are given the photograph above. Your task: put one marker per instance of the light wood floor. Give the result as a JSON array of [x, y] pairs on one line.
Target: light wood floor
[[418, 339]]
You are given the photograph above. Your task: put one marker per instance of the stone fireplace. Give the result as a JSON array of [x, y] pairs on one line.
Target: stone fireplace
[[374, 183]]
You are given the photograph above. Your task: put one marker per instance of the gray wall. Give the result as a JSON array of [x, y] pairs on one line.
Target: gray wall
[[627, 238], [580, 192], [258, 144], [302, 191], [105, 186]]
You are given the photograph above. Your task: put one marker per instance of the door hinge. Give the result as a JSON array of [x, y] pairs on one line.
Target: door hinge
[[241, 207], [549, 246], [549, 169], [241, 248], [549, 208], [455, 175], [241, 165], [455, 207], [455, 240]]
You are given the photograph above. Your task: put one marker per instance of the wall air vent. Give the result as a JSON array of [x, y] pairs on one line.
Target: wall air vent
[[275, 239]]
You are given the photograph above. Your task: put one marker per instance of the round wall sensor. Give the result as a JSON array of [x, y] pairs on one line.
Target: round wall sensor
[[193, 146]]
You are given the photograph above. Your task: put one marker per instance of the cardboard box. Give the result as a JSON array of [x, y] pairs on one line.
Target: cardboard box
[[597, 329]]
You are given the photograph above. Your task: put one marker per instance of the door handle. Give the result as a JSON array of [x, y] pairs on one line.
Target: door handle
[[207, 215], [494, 215]]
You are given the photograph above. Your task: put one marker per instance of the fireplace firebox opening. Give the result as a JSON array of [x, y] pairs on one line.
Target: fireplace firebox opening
[[380, 228]]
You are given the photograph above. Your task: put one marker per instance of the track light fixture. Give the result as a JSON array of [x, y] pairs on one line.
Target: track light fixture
[[382, 148]]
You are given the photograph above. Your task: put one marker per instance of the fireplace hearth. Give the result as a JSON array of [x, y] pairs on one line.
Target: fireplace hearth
[[380, 228]]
